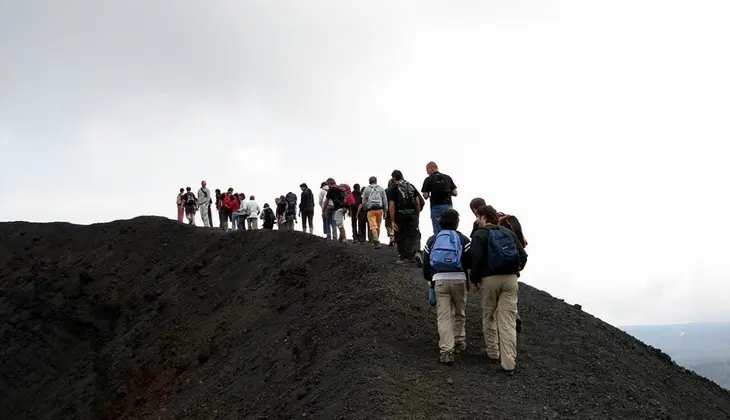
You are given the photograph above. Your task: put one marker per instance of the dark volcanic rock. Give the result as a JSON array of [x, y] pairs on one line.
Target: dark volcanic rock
[[154, 320]]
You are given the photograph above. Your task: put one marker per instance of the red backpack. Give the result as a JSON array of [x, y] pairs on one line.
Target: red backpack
[[347, 194]]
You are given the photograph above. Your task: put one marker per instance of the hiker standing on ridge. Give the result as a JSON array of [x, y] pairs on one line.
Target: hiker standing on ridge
[[498, 258], [219, 207], [386, 218], [508, 221], [306, 208], [268, 217], [252, 213], [204, 203], [358, 223], [404, 208], [447, 257], [191, 205], [439, 188], [290, 214], [337, 196], [375, 206], [280, 210], [227, 207], [180, 205]]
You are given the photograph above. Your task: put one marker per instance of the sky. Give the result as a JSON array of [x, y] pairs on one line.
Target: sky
[[601, 124]]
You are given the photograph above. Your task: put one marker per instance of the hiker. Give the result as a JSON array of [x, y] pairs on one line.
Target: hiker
[[404, 208], [387, 220], [227, 207], [191, 205], [204, 203], [180, 205], [374, 205], [280, 210], [306, 208], [328, 214], [252, 213], [268, 216], [219, 208], [439, 188], [210, 214], [358, 223], [242, 212], [290, 214], [508, 221], [336, 195], [498, 258], [447, 258]]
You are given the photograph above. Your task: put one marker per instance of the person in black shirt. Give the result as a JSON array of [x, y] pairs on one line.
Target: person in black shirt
[[306, 208], [337, 197], [404, 207], [439, 188]]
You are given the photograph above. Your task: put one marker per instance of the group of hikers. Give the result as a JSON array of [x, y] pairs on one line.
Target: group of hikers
[[490, 259]]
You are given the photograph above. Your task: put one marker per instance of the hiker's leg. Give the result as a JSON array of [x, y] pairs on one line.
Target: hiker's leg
[[204, 216], [340, 220], [444, 320], [490, 295], [304, 222], [210, 216], [326, 227], [353, 226], [400, 237], [332, 223], [506, 316], [180, 213], [362, 222], [412, 237], [310, 217], [435, 215], [389, 229], [458, 304]]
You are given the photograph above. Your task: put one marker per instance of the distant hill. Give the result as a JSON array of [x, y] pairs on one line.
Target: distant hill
[[702, 347]]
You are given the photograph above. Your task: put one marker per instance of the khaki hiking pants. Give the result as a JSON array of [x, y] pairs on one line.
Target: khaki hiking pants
[[499, 315], [450, 313]]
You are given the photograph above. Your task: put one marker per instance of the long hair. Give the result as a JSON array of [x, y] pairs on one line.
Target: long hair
[[489, 213]]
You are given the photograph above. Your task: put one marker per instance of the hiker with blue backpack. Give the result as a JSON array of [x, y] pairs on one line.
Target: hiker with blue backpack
[[446, 259], [498, 258]]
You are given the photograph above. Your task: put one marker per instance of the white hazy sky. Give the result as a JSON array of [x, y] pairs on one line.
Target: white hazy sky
[[601, 124]]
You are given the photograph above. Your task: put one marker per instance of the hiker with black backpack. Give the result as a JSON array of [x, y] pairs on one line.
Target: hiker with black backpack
[[447, 257], [290, 214], [338, 196], [180, 205], [306, 208], [438, 188], [404, 208], [498, 258], [191, 205], [268, 217]]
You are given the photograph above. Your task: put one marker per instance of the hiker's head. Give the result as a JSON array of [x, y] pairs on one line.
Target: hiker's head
[[323, 184], [182, 189], [475, 204], [397, 175], [217, 190], [303, 186], [187, 189], [276, 200], [431, 168], [266, 205], [373, 180], [391, 182], [331, 182], [356, 187], [230, 191], [486, 215], [203, 184], [252, 198], [449, 219]]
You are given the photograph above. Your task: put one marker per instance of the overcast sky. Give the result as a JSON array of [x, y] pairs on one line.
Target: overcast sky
[[600, 124]]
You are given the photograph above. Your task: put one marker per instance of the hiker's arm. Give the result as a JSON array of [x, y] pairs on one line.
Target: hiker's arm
[[453, 188], [521, 251], [391, 210], [427, 260], [478, 250], [426, 188], [467, 255]]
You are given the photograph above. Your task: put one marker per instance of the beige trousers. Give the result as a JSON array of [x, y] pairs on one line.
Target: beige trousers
[[450, 313], [499, 315]]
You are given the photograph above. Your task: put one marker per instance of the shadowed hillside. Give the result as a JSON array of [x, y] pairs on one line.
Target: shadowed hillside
[[149, 319]]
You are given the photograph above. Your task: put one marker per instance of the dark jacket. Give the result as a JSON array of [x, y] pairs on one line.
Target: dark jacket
[[508, 221], [466, 256], [479, 244], [307, 203]]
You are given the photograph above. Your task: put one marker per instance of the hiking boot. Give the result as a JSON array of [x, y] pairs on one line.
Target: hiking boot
[[447, 358], [510, 372], [419, 260], [377, 245], [459, 347]]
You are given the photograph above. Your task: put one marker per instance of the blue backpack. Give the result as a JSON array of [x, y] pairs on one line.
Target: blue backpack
[[502, 254], [446, 251]]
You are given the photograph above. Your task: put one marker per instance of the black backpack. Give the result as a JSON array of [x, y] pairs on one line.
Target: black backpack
[[190, 199], [406, 203], [269, 217], [291, 204]]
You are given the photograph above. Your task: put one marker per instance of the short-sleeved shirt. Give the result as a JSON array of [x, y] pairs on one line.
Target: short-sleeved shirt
[[334, 194], [439, 186], [392, 195]]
